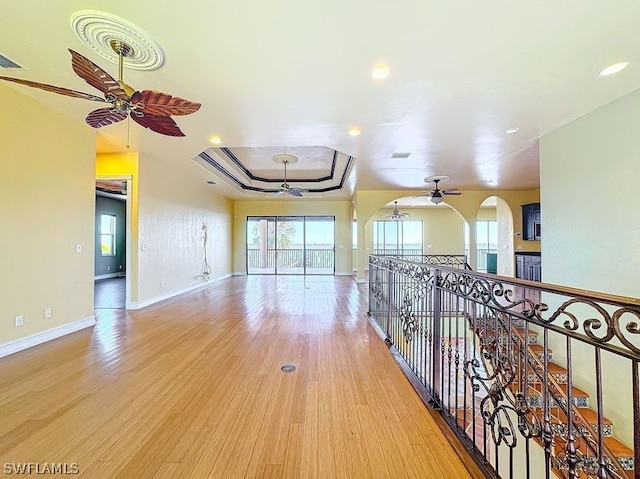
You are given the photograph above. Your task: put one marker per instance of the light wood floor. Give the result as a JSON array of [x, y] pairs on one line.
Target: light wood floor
[[192, 388], [109, 293]]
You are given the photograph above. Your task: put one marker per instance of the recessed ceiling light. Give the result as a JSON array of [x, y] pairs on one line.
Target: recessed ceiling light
[[611, 69], [216, 140], [354, 131], [380, 72], [512, 130]]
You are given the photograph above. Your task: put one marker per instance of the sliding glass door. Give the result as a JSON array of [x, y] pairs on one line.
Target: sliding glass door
[[319, 245], [290, 245]]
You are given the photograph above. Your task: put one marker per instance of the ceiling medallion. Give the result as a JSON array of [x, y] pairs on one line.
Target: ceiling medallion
[[99, 31]]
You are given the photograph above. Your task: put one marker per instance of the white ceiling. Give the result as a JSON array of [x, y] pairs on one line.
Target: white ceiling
[[291, 74]]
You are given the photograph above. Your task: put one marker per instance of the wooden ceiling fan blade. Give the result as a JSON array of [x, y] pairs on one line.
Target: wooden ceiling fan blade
[[54, 89], [163, 104], [449, 190], [452, 193], [105, 116], [160, 124], [96, 76]]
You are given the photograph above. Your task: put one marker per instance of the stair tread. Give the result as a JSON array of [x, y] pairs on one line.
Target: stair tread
[[587, 413], [530, 332], [577, 392], [618, 448]]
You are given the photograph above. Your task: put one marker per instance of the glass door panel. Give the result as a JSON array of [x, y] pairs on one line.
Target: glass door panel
[[320, 244], [261, 245], [290, 245]]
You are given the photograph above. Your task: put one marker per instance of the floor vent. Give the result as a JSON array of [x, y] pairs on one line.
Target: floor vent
[[6, 63]]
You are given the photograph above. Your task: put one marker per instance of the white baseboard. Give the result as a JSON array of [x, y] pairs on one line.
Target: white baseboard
[[344, 273], [361, 280], [240, 273], [42, 337], [172, 294]]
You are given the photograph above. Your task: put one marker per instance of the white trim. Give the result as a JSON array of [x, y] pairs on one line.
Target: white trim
[[240, 273], [42, 337], [157, 299], [361, 280], [344, 273]]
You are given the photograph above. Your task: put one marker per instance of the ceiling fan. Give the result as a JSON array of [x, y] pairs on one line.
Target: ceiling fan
[[149, 108], [286, 187], [396, 215], [437, 195], [114, 187]]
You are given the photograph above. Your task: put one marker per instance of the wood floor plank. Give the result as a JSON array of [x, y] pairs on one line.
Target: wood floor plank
[[192, 388]]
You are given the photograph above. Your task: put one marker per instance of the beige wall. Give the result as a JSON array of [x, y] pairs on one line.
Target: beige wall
[[591, 233], [172, 210], [340, 209], [47, 203]]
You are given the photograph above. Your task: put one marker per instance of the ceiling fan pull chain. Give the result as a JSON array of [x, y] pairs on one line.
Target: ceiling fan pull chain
[[128, 132]]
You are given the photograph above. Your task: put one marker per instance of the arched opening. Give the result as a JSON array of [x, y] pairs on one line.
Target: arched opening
[[425, 228], [494, 237]]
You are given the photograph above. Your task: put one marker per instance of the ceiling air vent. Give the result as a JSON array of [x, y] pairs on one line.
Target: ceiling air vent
[[401, 155], [6, 63]]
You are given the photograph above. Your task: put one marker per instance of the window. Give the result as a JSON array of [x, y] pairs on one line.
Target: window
[[486, 241], [397, 238], [108, 235]]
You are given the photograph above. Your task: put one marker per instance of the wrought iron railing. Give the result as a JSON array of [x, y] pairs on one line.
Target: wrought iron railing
[[451, 260], [271, 258], [531, 377]]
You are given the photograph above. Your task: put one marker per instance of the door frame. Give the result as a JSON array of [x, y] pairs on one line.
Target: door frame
[[128, 240]]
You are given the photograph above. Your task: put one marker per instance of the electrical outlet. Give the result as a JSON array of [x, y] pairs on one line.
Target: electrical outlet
[[161, 284], [78, 248], [19, 320], [48, 313]]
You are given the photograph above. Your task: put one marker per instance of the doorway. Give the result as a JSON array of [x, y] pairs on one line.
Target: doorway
[[112, 220], [303, 245]]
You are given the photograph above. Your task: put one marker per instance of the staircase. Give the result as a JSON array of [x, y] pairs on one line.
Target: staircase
[[513, 338]]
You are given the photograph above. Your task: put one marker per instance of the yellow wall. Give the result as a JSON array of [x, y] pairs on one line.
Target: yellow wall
[[340, 209], [487, 214], [443, 229], [47, 203]]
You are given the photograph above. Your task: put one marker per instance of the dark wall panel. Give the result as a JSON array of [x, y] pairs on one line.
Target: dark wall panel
[[117, 263]]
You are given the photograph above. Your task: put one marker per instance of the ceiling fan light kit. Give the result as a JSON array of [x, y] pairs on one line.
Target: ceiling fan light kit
[[437, 195], [396, 215]]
